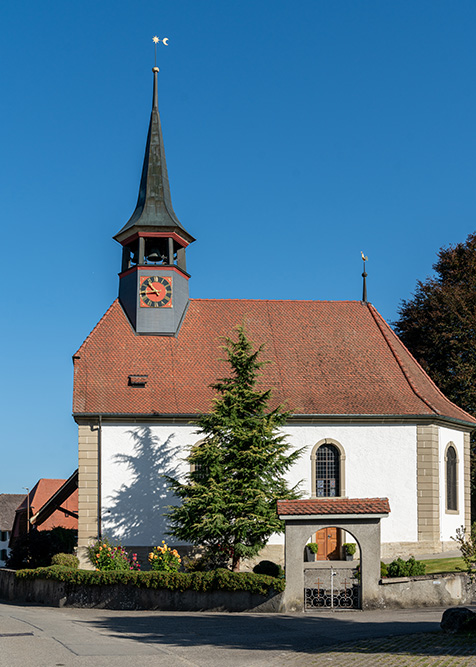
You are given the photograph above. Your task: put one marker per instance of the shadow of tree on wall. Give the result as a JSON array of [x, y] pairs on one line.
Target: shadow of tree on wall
[[135, 513]]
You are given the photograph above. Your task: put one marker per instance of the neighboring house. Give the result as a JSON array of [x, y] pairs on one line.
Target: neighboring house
[[50, 503], [8, 504], [372, 422]]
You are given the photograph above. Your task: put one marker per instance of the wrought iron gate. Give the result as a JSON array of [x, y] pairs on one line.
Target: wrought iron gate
[[331, 588]]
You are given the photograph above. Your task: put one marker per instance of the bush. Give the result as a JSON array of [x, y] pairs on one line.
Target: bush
[[164, 559], [402, 568], [269, 568], [37, 548], [176, 581], [467, 546], [313, 547], [66, 560], [350, 548]]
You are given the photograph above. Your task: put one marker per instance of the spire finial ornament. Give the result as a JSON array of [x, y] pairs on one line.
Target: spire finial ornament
[[157, 40], [364, 276]]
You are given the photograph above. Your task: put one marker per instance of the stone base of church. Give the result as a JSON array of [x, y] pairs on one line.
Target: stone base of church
[[84, 562], [391, 550], [273, 552]]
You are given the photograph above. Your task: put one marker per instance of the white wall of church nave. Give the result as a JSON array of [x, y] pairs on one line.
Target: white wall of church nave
[[380, 462], [449, 522], [134, 494]]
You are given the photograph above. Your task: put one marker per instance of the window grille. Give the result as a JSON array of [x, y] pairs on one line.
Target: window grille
[[451, 491], [327, 472], [200, 471]]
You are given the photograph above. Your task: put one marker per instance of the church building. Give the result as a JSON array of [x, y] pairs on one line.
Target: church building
[[372, 423]]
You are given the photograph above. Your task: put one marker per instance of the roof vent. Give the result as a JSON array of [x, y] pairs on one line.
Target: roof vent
[[137, 380]]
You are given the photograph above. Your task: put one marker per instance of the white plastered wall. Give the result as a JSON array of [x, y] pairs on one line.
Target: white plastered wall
[[134, 493], [380, 462], [450, 521]]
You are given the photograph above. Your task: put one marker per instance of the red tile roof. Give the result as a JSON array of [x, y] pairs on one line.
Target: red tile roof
[[312, 506], [327, 358], [38, 496]]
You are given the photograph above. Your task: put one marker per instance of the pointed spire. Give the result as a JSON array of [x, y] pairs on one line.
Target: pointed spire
[[154, 210]]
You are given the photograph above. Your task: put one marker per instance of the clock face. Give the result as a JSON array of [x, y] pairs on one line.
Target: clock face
[[156, 292]]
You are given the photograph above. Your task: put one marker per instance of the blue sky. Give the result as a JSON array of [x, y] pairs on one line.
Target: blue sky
[[296, 134]]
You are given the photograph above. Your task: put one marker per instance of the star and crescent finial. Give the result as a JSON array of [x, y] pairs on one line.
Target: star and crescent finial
[[157, 40], [364, 276]]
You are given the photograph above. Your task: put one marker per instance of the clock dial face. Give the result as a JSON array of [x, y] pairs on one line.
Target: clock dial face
[[156, 292]]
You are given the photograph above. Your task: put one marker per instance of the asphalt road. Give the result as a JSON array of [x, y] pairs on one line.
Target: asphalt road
[[32, 636]]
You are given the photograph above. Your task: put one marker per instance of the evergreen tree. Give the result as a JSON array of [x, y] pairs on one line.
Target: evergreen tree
[[439, 327], [238, 469]]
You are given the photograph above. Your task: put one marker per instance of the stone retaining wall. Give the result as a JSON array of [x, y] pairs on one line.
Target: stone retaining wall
[[428, 590], [120, 596], [437, 590]]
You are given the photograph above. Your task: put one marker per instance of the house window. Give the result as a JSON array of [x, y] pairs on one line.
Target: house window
[[3, 554], [4, 535], [327, 471], [451, 479]]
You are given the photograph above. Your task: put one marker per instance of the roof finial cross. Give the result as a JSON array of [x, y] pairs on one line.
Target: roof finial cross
[[156, 40]]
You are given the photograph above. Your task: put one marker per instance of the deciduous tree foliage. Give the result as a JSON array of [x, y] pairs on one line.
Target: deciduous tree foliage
[[439, 325], [238, 469]]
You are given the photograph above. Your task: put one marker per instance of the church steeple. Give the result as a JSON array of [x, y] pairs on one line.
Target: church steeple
[[154, 210], [153, 283]]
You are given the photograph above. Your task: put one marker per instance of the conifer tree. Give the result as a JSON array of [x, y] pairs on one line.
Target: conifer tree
[[238, 469]]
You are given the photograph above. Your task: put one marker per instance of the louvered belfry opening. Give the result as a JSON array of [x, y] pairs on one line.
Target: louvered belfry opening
[[327, 472], [451, 499]]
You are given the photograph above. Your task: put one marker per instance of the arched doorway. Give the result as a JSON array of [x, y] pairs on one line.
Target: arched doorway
[[330, 582]]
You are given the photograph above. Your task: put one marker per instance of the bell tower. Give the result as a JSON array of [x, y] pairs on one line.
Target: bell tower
[[153, 282]]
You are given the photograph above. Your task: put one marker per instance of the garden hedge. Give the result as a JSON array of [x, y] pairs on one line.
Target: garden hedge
[[215, 580]]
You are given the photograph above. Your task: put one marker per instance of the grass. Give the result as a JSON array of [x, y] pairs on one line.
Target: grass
[[438, 565]]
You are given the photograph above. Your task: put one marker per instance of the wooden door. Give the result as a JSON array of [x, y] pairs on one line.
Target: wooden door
[[329, 542]]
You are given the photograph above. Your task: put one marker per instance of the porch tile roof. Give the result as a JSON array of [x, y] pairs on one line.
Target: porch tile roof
[[313, 506]]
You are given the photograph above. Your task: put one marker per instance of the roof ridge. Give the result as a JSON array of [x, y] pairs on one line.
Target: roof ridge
[[399, 361], [353, 301], [435, 386]]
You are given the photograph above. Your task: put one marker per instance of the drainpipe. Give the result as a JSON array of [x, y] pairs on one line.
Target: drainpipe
[[99, 475], [27, 509]]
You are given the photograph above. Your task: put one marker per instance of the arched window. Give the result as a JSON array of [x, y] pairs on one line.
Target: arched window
[[327, 471], [200, 470], [451, 479]]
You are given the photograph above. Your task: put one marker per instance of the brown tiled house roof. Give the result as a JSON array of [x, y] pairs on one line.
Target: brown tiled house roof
[[38, 496], [317, 506], [326, 358]]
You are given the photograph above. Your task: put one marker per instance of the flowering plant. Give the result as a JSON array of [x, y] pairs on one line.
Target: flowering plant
[[105, 556], [134, 563], [164, 559]]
